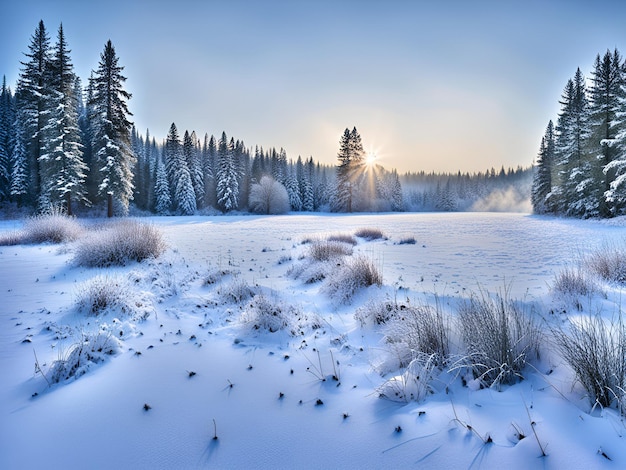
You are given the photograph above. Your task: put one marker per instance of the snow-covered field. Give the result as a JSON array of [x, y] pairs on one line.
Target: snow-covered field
[[306, 396]]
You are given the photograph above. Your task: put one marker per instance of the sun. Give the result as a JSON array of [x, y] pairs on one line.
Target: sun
[[370, 159]]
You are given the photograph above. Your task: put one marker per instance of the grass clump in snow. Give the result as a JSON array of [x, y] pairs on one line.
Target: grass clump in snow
[[268, 315], [342, 237], [103, 294], [237, 291], [574, 282], [414, 384], [52, 227], [608, 262], [370, 234], [421, 330], [595, 349], [12, 238], [118, 244], [499, 337], [82, 356], [354, 274], [325, 250], [409, 240]]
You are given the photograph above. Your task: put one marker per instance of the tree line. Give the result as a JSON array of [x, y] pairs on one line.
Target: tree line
[[581, 165], [74, 147]]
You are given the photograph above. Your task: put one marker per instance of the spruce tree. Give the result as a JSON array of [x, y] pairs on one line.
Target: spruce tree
[[31, 99], [111, 141], [61, 167], [349, 171], [7, 121], [163, 201], [542, 179], [227, 178]]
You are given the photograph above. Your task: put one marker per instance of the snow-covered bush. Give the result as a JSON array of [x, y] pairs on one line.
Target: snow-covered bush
[[236, 291], [574, 282], [356, 273], [309, 271], [416, 330], [414, 384], [324, 250], [119, 243], [499, 338], [595, 349], [608, 262], [267, 314], [269, 197], [51, 228], [11, 238], [104, 294], [370, 234], [408, 240], [82, 356], [375, 312]]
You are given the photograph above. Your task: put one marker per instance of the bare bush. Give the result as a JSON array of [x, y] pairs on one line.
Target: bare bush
[[407, 241], [596, 350], [236, 291], [119, 243], [269, 315], [499, 337], [608, 262], [330, 249], [269, 197], [356, 273], [377, 313], [51, 228], [370, 234]]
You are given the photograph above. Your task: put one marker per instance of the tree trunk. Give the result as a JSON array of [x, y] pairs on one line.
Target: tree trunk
[[109, 205], [68, 201]]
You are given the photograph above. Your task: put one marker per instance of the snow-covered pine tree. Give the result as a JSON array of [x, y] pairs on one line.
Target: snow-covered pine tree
[[61, 166], [19, 164], [226, 175], [397, 197], [191, 155], [163, 202], [242, 167], [349, 171], [111, 142], [31, 96], [542, 180], [293, 191], [7, 121], [179, 177], [209, 156], [606, 95]]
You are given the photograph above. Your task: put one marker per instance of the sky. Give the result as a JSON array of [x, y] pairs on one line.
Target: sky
[[435, 86]]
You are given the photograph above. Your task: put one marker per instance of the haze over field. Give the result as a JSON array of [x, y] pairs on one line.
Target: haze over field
[[441, 86]]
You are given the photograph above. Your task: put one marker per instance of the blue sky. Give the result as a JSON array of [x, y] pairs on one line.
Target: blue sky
[[430, 85]]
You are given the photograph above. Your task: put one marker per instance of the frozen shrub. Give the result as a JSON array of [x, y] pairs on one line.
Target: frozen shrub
[[118, 244], [11, 238], [214, 276], [596, 350], [414, 383], [377, 313], [342, 237], [103, 294], [499, 337], [330, 249], [51, 228], [310, 272], [347, 279], [574, 281], [82, 356], [422, 329], [608, 262], [269, 315], [407, 241], [236, 291], [369, 234]]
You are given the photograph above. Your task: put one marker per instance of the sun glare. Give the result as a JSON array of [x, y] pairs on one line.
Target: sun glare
[[370, 159]]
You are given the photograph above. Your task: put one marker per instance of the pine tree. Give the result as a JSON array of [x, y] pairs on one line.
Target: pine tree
[[31, 96], [112, 146], [607, 94], [163, 201], [192, 158], [293, 191], [227, 178], [61, 167], [349, 171], [542, 180], [209, 156], [7, 121]]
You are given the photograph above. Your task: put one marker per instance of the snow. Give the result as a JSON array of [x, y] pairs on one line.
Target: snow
[[264, 390]]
